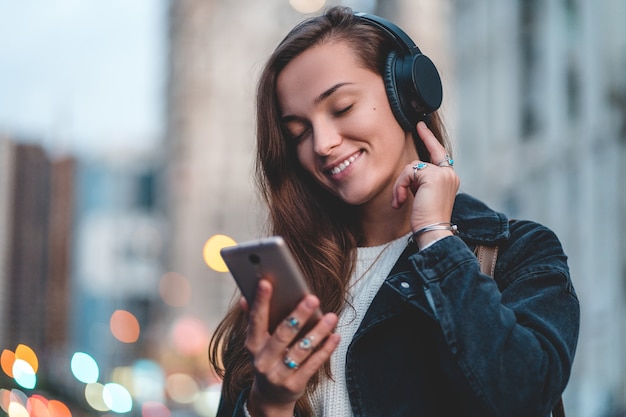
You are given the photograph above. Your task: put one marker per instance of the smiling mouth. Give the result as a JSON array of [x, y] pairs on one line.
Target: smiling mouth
[[343, 165]]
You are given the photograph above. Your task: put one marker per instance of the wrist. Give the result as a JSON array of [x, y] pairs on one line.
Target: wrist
[[430, 238], [429, 234]]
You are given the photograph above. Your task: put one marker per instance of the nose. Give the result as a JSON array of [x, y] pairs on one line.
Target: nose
[[325, 138]]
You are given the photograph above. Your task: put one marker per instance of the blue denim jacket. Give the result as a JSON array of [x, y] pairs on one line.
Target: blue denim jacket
[[479, 347]]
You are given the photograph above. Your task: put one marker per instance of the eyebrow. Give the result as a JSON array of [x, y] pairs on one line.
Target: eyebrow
[[329, 92], [317, 100]]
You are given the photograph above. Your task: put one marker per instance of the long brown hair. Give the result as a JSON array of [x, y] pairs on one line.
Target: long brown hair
[[318, 227]]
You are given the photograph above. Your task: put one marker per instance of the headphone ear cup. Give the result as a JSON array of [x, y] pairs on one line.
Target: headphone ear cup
[[427, 83], [391, 86]]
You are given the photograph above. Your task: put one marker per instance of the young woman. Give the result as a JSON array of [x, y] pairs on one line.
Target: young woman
[[356, 171]]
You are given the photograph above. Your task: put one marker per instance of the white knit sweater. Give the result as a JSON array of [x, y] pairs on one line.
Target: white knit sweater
[[372, 267]]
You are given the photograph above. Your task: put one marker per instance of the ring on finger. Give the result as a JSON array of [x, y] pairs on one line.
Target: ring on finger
[[288, 362], [417, 167], [306, 342], [447, 161], [293, 323]]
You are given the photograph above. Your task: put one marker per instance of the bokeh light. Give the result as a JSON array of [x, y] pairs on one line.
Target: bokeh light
[[37, 406], [190, 336], [17, 410], [208, 401], [6, 361], [211, 252], [58, 409], [18, 396], [117, 398], [155, 409], [148, 381], [93, 395], [5, 399], [26, 354], [84, 367], [123, 375], [24, 374], [307, 6], [124, 326], [181, 388], [22, 365], [15, 403], [175, 289]]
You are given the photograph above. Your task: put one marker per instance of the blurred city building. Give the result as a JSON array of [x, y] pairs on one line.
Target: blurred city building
[[216, 50], [540, 133], [535, 102], [36, 198], [117, 254], [81, 251]]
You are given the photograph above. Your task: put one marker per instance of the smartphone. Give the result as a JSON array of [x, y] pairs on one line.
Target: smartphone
[[269, 258]]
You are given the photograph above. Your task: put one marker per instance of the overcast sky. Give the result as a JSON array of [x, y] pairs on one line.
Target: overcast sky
[[82, 75]]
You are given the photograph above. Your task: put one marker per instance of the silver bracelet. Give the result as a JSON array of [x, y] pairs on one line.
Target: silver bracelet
[[436, 226]]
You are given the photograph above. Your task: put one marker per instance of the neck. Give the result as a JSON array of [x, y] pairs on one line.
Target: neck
[[380, 223]]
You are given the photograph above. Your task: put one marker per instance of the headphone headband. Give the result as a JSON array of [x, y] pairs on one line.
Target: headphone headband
[[402, 40]]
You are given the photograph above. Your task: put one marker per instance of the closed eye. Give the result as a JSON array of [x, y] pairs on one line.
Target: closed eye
[[343, 111], [296, 132], [293, 127], [300, 137]]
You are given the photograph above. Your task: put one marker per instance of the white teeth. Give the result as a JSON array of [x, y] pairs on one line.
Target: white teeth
[[339, 168]]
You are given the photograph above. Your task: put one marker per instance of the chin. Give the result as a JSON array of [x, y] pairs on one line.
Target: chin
[[352, 200]]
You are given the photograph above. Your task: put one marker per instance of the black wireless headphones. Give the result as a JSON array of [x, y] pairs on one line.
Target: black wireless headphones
[[411, 79]]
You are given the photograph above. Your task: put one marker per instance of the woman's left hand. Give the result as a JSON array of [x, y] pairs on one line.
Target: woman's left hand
[[434, 185]]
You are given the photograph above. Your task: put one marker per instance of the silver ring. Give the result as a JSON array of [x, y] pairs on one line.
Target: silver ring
[[290, 363], [306, 343], [447, 161], [417, 167], [292, 323]]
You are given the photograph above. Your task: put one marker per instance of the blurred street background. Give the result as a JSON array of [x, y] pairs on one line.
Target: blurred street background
[[126, 161]]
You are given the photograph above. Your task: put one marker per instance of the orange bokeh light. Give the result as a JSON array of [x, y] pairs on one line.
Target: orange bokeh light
[[7, 359], [26, 354], [58, 409], [124, 326], [23, 352]]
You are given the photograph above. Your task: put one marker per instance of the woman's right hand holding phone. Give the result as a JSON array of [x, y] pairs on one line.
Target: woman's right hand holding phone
[[282, 364]]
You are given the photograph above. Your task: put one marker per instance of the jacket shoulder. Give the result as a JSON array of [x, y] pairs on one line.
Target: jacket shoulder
[[477, 223]]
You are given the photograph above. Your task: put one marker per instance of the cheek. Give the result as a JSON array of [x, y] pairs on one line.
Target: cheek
[[385, 123], [305, 156], [377, 115]]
